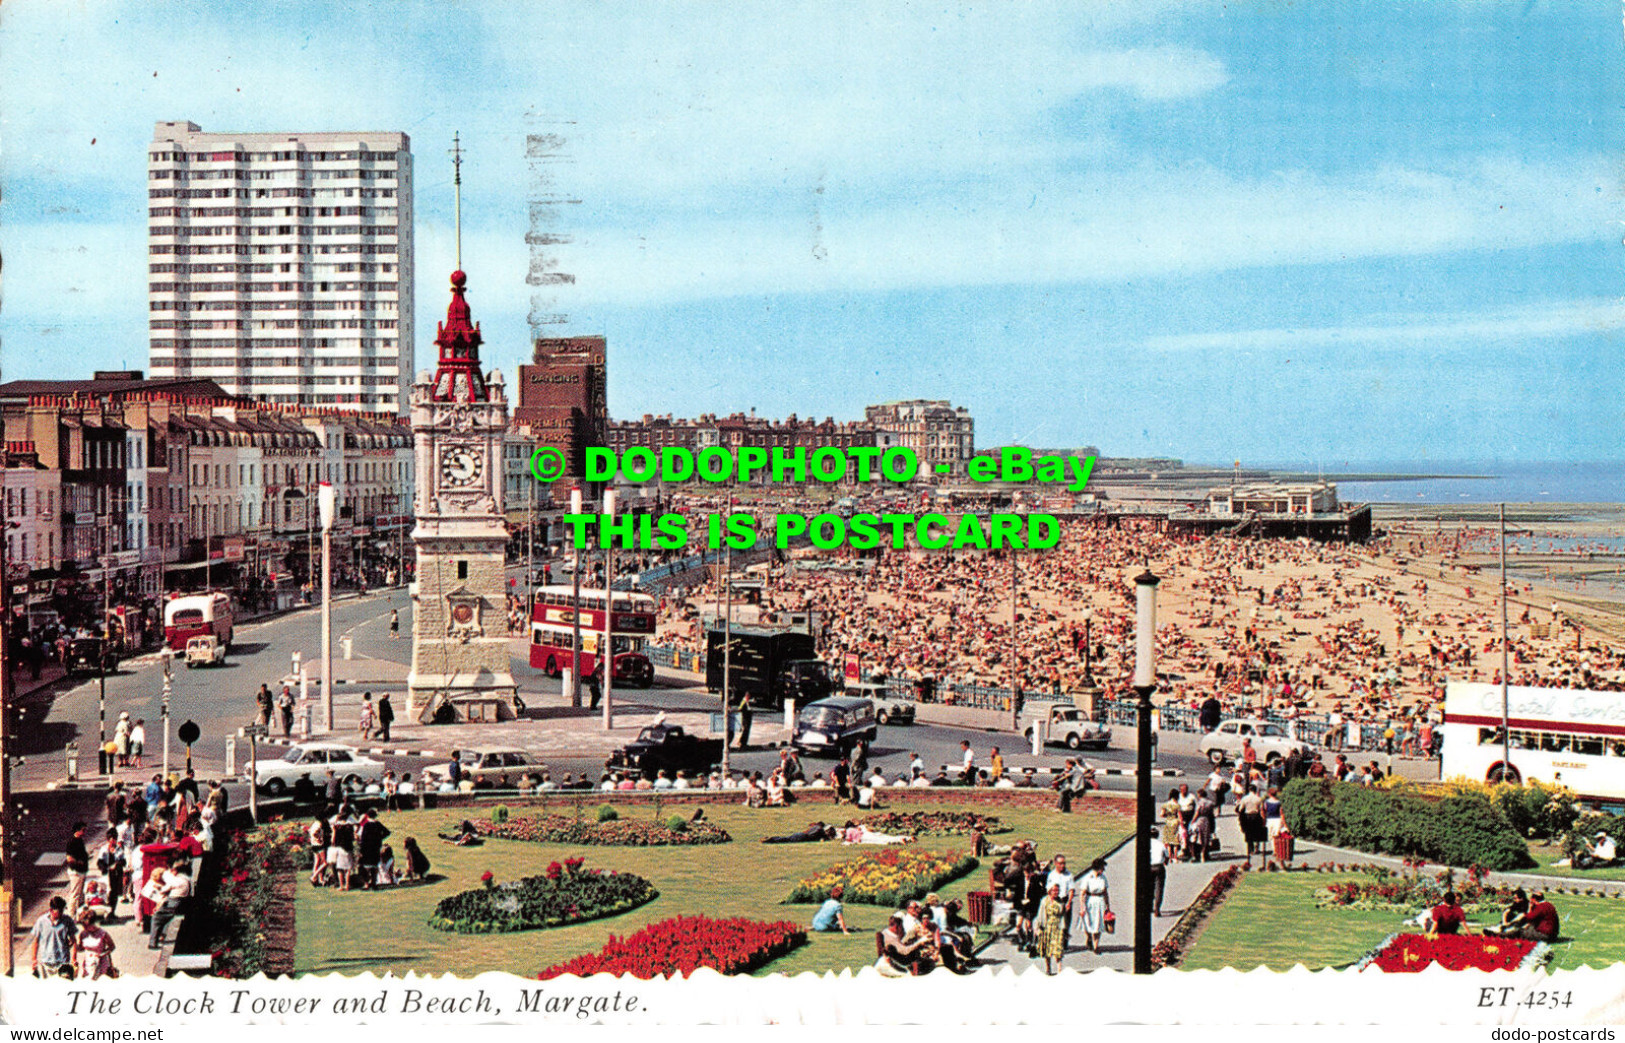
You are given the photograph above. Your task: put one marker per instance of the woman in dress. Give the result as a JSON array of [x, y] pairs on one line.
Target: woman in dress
[[1273, 809], [1173, 829], [1201, 827], [1050, 929], [93, 948], [1097, 902], [341, 852], [320, 835], [386, 867]]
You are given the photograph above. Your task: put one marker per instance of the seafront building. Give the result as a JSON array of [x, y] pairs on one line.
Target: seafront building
[[280, 265]]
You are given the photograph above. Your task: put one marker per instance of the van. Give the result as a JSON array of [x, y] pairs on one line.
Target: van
[[834, 725]]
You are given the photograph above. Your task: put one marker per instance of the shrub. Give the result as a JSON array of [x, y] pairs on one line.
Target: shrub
[[677, 824], [607, 813], [499, 814], [1461, 830], [561, 896]]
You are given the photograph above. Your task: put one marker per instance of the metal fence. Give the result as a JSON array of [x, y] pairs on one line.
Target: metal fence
[[1313, 730]]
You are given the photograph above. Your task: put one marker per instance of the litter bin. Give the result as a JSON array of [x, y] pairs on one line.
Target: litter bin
[[1283, 846], [981, 908], [105, 762]]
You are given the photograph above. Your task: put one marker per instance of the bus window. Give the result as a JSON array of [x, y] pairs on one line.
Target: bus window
[[1617, 748], [1588, 745], [1489, 736]]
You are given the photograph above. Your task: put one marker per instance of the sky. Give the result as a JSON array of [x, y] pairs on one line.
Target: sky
[[1261, 231]]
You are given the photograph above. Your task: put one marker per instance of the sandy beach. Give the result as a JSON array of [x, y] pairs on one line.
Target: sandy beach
[[1374, 630]]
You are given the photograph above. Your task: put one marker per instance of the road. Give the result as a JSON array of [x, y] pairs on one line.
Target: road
[[221, 699]]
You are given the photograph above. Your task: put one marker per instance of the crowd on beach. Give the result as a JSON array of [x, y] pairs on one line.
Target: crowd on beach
[[1290, 626]]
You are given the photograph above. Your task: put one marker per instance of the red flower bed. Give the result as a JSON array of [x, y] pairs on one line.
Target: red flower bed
[[1456, 952], [684, 944]]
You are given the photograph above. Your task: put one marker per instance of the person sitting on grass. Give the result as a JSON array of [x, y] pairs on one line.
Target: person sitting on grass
[[466, 835], [1539, 924], [416, 866], [1447, 915], [831, 916], [1600, 852]]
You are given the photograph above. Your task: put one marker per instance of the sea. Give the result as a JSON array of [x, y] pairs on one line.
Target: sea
[[1496, 481]]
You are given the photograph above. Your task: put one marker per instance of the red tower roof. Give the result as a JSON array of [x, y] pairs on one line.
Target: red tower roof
[[458, 378]]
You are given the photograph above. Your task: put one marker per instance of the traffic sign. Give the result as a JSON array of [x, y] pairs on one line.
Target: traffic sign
[[188, 733]]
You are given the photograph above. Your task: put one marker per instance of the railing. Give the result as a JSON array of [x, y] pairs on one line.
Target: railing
[[1313, 730]]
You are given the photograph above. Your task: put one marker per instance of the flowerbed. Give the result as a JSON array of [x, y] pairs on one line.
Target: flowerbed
[[684, 944], [1171, 949], [1456, 952], [934, 823], [562, 829], [565, 894], [890, 877], [249, 915], [1390, 890]]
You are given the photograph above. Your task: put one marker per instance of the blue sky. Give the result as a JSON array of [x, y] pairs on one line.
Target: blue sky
[[1263, 231]]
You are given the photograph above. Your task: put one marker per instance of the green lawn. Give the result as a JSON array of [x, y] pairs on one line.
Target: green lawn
[[1546, 854], [386, 930], [1270, 920]]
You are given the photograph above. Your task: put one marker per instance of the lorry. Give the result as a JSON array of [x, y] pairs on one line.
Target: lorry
[[768, 665], [666, 747], [1067, 725]]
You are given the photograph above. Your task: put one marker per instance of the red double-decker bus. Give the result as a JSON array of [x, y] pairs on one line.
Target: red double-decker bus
[[554, 618]]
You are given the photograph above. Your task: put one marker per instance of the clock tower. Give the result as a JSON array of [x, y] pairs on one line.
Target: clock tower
[[460, 611]]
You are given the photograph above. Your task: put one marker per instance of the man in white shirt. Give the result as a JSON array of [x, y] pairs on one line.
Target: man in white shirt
[[174, 893], [967, 762], [1602, 851], [1159, 870], [916, 766]]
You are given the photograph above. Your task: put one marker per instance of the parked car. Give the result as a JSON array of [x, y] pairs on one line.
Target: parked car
[[834, 725], [90, 655], [278, 775], [1270, 740], [666, 747], [1066, 724], [499, 767], [888, 708], [204, 650]]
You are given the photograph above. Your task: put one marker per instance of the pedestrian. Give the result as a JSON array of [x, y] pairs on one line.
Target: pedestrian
[[174, 894], [967, 760], [114, 804], [370, 835], [121, 740], [1159, 870], [841, 773], [386, 716], [860, 760], [996, 759], [111, 860], [394, 624], [93, 948], [1095, 900], [284, 705], [265, 702], [138, 742], [332, 789], [1050, 929], [77, 857], [51, 942], [595, 683], [320, 837], [368, 718]]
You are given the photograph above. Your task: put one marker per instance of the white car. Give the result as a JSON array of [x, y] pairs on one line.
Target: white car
[[278, 776], [503, 767], [1270, 740]]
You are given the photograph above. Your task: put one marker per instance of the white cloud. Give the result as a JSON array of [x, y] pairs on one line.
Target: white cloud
[[1550, 319]]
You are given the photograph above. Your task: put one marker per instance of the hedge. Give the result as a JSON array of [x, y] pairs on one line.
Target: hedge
[[1461, 830]]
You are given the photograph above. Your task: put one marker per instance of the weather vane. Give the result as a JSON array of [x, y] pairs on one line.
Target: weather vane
[[456, 151]]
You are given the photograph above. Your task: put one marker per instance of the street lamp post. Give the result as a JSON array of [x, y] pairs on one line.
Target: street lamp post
[[606, 648], [169, 659], [1145, 682], [327, 506], [575, 601]]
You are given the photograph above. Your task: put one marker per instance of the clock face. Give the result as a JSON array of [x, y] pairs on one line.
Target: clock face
[[461, 467]]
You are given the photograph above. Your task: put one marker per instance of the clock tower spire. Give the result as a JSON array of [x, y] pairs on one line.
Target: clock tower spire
[[460, 663]]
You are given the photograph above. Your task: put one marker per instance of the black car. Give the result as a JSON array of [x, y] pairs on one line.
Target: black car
[[91, 656]]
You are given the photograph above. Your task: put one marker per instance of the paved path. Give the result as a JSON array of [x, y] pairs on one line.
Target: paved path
[[1185, 881]]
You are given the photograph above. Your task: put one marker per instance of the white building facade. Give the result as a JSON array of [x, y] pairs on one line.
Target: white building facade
[[280, 265]]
